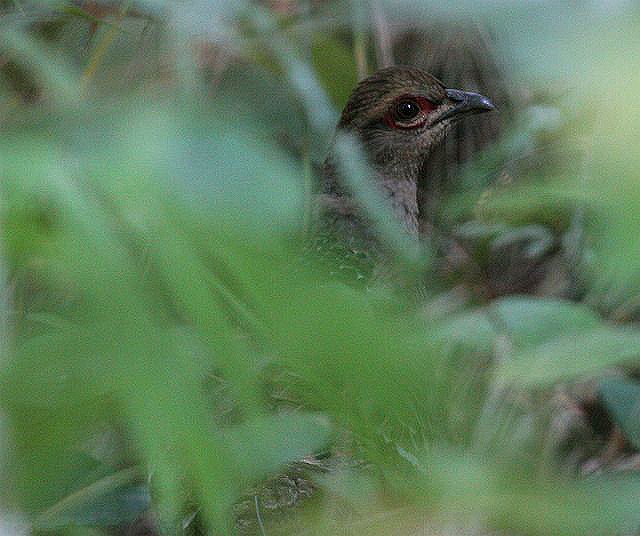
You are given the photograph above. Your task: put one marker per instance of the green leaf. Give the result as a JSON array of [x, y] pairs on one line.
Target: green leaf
[[264, 445], [622, 398], [335, 66], [507, 496], [114, 499], [570, 356], [529, 322], [58, 77], [471, 329]]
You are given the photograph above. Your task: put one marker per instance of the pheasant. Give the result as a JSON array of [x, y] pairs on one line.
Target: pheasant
[[399, 114]]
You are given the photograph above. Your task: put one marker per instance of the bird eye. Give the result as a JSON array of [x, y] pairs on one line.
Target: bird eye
[[408, 112], [407, 109]]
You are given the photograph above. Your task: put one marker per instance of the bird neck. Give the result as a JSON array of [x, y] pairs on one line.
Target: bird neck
[[395, 180], [402, 193]]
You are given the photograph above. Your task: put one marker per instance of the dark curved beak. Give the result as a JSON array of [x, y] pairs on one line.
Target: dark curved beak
[[467, 103]]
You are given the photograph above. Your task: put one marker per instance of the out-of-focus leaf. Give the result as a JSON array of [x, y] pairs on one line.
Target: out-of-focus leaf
[[548, 340], [364, 365], [468, 484], [254, 93], [335, 67], [59, 78], [473, 330], [67, 380], [204, 193], [321, 116], [115, 499], [531, 326], [612, 183], [468, 492], [572, 355], [529, 322], [264, 445], [206, 18], [622, 398], [236, 187]]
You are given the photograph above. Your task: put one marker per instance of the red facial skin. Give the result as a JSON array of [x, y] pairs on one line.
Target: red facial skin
[[393, 121]]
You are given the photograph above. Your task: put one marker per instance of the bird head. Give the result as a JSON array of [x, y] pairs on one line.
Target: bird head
[[401, 113]]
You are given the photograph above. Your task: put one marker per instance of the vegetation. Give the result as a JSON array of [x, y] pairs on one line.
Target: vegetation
[[174, 355]]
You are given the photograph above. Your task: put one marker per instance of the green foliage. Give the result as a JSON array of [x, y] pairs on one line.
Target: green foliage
[[168, 345], [622, 398]]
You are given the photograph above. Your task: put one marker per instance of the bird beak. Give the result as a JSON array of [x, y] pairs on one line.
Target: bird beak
[[466, 103]]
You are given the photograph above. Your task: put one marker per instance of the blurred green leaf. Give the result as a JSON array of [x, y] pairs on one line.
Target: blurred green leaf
[[266, 444], [335, 66], [530, 322], [58, 77], [467, 484], [572, 355], [115, 499], [622, 398], [473, 330]]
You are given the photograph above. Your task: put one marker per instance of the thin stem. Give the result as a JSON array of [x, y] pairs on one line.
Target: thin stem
[[260, 523], [360, 38], [384, 42], [103, 47], [308, 188]]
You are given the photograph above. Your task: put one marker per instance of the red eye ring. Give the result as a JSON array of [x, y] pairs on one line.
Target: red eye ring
[[408, 112]]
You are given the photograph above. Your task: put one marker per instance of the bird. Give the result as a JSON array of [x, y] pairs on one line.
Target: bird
[[399, 114], [463, 55]]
